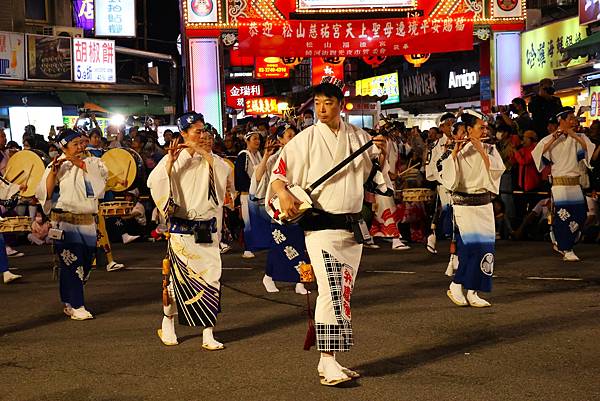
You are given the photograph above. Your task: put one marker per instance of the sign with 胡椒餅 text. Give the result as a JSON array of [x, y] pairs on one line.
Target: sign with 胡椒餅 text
[[94, 60]]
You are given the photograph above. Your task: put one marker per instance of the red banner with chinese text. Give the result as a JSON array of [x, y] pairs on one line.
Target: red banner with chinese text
[[357, 38]]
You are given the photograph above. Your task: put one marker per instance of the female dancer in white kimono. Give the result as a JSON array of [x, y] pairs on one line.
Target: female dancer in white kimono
[[472, 173], [80, 184], [256, 222], [333, 251], [191, 182], [564, 149], [287, 249]]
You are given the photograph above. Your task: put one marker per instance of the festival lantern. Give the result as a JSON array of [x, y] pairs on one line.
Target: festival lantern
[[417, 60]]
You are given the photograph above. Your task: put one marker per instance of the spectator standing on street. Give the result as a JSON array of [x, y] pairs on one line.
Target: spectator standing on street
[[544, 106]]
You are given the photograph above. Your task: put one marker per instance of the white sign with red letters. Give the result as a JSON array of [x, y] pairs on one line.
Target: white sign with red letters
[[94, 60]]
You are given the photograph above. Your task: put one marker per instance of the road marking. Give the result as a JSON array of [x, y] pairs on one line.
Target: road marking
[[160, 268], [555, 278], [389, 271]]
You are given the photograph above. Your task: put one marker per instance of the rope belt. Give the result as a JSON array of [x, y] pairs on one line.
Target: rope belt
[[463, 199], [565, 180], [72, 218]]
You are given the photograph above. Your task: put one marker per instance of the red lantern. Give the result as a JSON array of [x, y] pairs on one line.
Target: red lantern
[[417, 60], [374, 61]]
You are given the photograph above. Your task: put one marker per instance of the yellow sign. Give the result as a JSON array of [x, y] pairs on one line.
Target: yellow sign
[[379, 86], [542, 49]]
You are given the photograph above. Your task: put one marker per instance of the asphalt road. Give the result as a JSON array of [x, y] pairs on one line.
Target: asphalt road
[[539, 340]]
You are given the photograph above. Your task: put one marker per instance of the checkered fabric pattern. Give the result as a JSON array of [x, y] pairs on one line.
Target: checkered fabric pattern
[[334, 337]]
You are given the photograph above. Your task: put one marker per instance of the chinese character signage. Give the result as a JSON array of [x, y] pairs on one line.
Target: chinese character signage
[[12, 55], [270, 67], [422, 85], [589, 11], [115, 18], [261, 105], [542, 49], [48, 58], [380, 86], [202, 11], [83, 14], [312, 4], [332, 67], [594, 102], [94, 60], [237, 93], [356, 38]]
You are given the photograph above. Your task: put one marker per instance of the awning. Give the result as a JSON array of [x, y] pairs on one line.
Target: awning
[[14, 98], [119, 104], [589, 46]]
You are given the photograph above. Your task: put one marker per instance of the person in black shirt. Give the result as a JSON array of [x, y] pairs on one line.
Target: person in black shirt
[[543, 106]]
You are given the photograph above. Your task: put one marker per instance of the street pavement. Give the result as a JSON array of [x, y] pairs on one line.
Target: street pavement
[[539, 340]]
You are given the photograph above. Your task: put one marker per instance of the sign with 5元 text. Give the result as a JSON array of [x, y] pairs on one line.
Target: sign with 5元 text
[[94, 60]]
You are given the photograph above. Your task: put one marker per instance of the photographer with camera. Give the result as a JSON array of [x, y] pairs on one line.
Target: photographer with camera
[[522, 122], [544, 106]]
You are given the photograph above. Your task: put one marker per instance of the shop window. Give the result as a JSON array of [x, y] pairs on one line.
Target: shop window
[[36, 10]]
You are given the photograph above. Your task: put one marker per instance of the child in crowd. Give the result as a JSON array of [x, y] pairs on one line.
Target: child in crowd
[[39, 230]]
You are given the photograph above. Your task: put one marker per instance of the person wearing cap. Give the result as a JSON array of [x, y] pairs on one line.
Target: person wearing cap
[[544, 106], [80, 184], [472, 172], [257, 228], [281, 265], [563, 151], [334, 251], [444, 218], [188, 187]]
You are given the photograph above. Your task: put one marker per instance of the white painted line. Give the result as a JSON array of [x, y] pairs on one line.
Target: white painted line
[[389, 271], [555, 278]]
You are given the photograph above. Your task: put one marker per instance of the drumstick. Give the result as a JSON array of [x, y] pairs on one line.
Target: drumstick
[[410, 167], [28, 175], [127, 173]]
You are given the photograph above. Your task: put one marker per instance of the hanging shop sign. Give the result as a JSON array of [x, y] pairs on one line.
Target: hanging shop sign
[[589, 11], [379, 86], [382, 37], [202, 10], [237, 93], [421, 85], [83, 14], [48, 58], [115, 18], [94, 60], [542, 49], [331, 67], [349, 4], [261, 105], [270, 67], [595, 102], [507, 8], [12, 55]]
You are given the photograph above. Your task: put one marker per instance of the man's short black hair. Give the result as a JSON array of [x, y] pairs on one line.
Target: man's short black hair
[[520, 102], [309, 112], [328, 90]]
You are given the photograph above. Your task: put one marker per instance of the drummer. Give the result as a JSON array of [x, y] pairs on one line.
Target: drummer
[[7, 191], [79, 185]]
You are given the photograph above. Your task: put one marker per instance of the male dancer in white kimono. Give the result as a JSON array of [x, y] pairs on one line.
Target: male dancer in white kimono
[[472, 173], [256, 227], [444, 218], [287, 250], [191, 182], [333, 250], [80, 184], [564, 149]]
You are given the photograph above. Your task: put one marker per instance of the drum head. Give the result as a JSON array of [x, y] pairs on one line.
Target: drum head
[[26, 167], [123, 168]]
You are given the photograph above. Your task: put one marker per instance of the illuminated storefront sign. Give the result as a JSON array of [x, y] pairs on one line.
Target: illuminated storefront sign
[[12, 55], [542, 49], [261, 105], [115, 18], [237, 93], [94, 60], [271, 67], [380, 86]]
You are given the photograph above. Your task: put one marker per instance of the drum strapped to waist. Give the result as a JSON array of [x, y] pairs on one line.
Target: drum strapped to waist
[[568, 181], [15, 224], [415, 195], [124, 168], [116, 209], [72, 218], [463, 199], [26, 167]]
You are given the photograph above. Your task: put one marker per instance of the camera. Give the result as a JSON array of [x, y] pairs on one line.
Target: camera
[[550, 90]]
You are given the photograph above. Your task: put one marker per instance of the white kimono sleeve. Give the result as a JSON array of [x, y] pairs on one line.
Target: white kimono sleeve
[[223, 179], [96, 175], [589, 151], [540, 159], [42, 194], [495, 171], [449, 175], [7, 189], [160, 186]]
